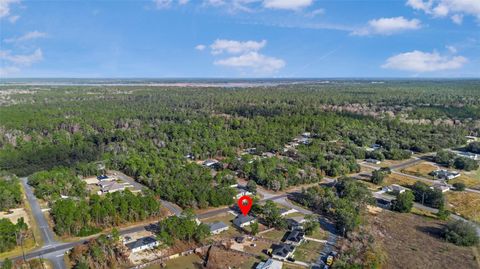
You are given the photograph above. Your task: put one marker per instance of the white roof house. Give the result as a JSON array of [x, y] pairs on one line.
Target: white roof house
[[394, 188], [441, 187], [374, 161], [469, 155], [143, 244], [241, 191], [270, 264], [445, 174], [286, 211]]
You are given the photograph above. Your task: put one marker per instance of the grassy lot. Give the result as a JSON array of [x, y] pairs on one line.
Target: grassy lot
[[308, 251], [319, 234], [467, 204], [412, 241], [275, 235], [187, 262], [421, 170], [398, 179], [468, 180], [227, 219]]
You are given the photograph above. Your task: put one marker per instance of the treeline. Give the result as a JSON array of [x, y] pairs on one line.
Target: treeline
[[80, 217], [346, 203], [57, 182], [10, 193], [12, 235]]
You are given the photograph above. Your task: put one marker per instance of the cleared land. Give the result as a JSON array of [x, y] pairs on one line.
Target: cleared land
[[421, 170], [308, 251], [467, 204], [412, 241], [398, 179]]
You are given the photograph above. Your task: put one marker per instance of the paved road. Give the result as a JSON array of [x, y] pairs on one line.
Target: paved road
[[45, 230]]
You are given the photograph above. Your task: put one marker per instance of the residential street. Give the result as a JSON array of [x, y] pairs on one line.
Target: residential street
[[48, 236]]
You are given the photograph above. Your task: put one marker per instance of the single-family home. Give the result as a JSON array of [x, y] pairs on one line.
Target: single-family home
[[295, 237], [470, 138], [105, 178], [307, 134], [295, 222], [445, 174], [270, 264], [283, 251], [213, 164], [383, 203], [441, 187], [143, 244], [394, 188], [242, 220], [286, 211], [217, 227], [374, 161], [241, 191], [469, 155]]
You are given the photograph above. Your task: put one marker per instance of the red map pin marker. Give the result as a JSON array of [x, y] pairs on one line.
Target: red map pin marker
[[245, 203]]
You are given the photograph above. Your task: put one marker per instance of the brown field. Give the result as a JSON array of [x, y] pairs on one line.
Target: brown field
[[412, 241], [468, 179], [422, 170], [398, 179], [467, 204]]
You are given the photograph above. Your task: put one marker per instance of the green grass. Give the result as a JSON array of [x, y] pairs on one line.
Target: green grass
[[187, 262], [275, 235], [308, 251]]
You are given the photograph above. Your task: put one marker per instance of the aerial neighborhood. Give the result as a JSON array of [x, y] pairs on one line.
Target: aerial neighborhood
[[161, 187]]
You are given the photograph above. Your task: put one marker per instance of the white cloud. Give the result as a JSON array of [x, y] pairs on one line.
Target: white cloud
[[9, 70], [287, 4], [457, 18], [236, 47], [13, 19], [26, 37], [452, 49], [245, 56], [5, 7], [442, 8], [254, 60], [250, 5], [21, 60], [200, 47], [164, 4], [418, 61], [160, 4], [388, 26]]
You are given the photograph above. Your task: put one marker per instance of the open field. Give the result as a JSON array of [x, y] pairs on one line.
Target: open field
[[187, 262], [308, 251], [398, 179], [468, 180], [422, 169], [412, 241], [467, 204], [275, 235], [15, 215]]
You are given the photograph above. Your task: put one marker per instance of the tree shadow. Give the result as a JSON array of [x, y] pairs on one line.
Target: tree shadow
[[436, 232]]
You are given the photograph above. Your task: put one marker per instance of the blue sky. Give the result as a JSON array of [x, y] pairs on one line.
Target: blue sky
[[240, 38]]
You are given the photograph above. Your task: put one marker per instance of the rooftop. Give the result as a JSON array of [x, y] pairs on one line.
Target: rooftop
[[141, 242], [241, 219], [214, 226]]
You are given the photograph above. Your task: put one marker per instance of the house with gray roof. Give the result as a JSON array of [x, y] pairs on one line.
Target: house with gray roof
[[242, 221], [217, 227], [283, 251]]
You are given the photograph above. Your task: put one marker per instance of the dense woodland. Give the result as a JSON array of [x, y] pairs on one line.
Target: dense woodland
[[10, 193], [81, 217], [146, 132]]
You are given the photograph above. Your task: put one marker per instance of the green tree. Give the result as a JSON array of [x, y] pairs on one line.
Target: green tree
[[252, 186], [461, 233], [311, 224], [377, 177], [404, 202], [254, 228]]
